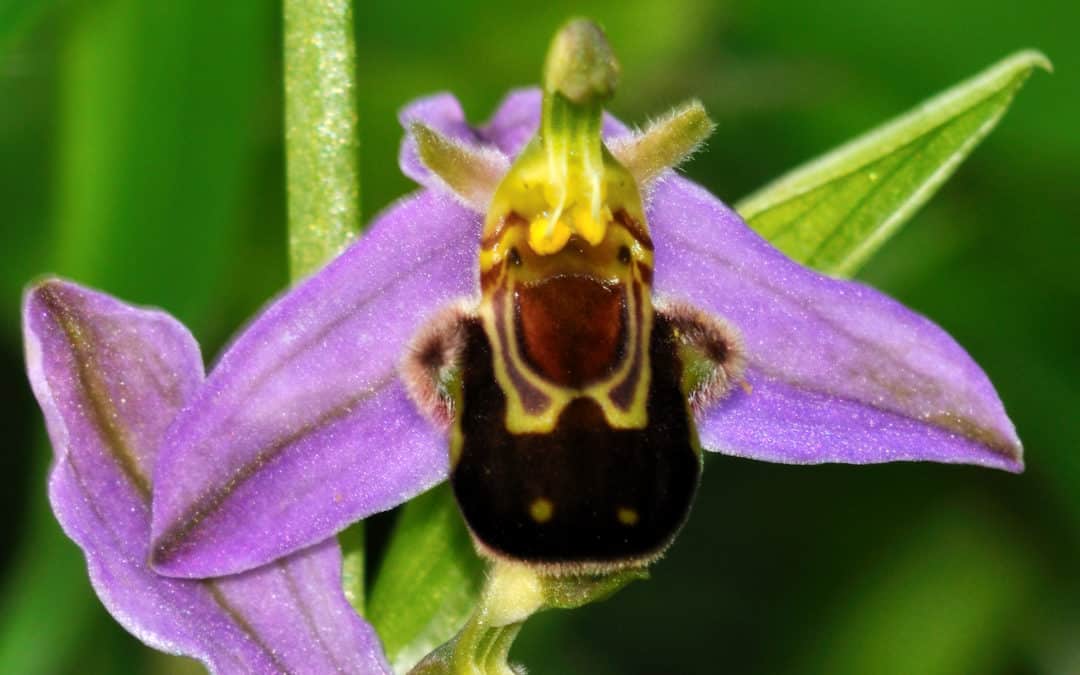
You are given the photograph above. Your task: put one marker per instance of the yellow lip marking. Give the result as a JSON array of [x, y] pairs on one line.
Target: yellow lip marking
[[627, 516], [541, 510]]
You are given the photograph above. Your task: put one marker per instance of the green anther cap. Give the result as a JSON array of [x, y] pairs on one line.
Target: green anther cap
[[580, 64]]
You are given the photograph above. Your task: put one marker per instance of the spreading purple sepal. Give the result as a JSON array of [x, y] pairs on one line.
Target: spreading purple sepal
[[515, 121], [304, 425], [838, 372], [109, 379]]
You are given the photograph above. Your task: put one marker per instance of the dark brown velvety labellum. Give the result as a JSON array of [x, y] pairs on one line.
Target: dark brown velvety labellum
[[584, 497]]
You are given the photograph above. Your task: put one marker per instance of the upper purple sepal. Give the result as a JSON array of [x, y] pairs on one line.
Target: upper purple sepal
[[109, 379], [304, 425]]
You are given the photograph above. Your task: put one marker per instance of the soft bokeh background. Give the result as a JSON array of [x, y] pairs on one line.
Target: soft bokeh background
[[140, 152]]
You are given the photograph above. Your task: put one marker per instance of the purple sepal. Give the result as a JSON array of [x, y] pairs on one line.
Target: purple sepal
[[304, 425], [515, 121], [109, 379], [838, 372]]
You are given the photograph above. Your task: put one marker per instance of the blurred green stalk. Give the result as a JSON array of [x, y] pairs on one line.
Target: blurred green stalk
[[321, 136], [322, 153]]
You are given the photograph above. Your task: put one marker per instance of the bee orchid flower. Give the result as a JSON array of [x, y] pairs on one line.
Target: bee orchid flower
[[307, 424], [343, 398]]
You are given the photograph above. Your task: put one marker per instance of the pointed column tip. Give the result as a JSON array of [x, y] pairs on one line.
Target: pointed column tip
[[580, 63]]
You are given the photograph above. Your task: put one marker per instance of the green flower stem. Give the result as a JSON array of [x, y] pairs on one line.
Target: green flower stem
[[322, 151], [321, 136]]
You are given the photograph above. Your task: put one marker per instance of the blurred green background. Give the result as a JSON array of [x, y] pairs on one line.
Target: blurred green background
[[141, 152]]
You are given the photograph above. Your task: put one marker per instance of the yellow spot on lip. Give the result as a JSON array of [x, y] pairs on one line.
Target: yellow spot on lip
[[541, 510], [627, 516]]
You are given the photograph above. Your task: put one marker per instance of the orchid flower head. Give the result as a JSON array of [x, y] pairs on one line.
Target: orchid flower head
[[305, 425], [195, 498]]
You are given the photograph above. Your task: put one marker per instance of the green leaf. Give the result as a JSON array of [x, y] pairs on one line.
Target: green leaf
[[429, 581], [835, 211]]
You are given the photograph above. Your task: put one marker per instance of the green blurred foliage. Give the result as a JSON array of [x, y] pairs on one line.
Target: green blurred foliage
[[141, 152]]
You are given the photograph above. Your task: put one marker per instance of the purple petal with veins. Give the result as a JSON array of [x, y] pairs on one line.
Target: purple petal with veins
[[838, 371], [109, 379], [304, 425]]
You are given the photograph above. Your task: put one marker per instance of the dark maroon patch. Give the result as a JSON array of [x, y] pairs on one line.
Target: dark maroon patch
[[571, 329], [646, 273], [636, 229], [533, 400]]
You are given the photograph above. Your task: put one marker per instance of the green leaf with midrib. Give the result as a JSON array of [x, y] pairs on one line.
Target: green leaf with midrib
[[834, 212]]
